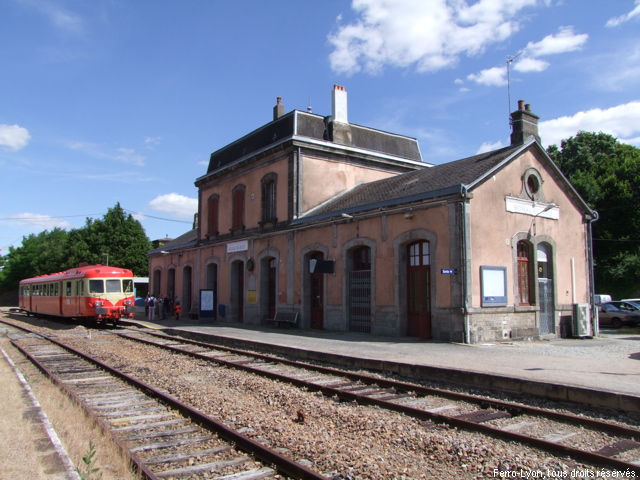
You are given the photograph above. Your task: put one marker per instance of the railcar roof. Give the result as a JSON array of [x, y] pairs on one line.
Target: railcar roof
[[86, 271]]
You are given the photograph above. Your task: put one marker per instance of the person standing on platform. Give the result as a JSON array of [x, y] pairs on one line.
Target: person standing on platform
[[177, 308], [152, 307]]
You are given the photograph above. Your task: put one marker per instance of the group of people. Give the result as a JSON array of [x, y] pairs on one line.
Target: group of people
[[164, 305]]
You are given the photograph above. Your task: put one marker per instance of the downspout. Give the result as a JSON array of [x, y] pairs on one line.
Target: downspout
[[465, 274], [592, 288]]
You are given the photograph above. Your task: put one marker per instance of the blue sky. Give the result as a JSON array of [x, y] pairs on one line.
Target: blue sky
[[123, 101]]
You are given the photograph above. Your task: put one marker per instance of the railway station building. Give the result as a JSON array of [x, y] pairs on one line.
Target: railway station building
[[324, 224]]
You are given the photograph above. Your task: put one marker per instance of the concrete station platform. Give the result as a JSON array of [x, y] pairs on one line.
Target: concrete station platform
[[602, 371]]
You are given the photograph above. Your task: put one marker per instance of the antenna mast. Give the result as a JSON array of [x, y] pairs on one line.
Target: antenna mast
[[509, 62]]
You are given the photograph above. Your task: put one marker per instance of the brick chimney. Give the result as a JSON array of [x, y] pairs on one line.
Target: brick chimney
[[278, 110], [524, 124]]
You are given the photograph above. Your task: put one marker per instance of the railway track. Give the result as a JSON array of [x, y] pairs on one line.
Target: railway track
[[589, 440], [163, 437]]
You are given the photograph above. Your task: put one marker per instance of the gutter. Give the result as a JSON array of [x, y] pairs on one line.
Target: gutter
[[464, 257]]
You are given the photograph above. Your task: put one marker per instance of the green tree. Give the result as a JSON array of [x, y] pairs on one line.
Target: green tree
[[38, 254], [117, 235], [606, 173]]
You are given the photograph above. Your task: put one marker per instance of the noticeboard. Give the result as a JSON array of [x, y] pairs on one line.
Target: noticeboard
[[207, 304], [493, 283]]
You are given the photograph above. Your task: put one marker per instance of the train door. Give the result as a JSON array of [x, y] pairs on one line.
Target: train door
[[59, 294]]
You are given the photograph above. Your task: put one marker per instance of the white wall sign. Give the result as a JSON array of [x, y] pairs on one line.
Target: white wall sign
[[535, 209], [241, 246]]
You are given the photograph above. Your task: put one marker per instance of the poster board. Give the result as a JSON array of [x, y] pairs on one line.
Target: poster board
[[493, 284], [207, 304]]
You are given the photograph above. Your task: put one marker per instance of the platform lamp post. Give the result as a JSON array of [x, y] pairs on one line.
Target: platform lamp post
[[106, 255]]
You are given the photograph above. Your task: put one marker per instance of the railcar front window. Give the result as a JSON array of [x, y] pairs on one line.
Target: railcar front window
[[127, 286], [113, 286], [96, 286]]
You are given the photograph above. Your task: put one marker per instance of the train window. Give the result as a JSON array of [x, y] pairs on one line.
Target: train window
[[96, 286], [113, 286], [127, 286], [80, 287], [68, 290], [56, 290]]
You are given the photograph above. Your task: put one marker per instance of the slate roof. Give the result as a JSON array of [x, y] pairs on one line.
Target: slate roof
[[302, 125], [429, 182], [186, 240]]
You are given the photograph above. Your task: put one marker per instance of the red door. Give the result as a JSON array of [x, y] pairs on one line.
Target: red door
[[418, 290], [317, 297]]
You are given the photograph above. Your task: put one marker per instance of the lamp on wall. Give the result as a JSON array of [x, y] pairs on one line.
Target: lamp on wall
[[545, 209]]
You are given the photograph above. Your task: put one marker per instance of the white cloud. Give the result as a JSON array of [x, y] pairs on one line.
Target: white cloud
[[493, 77], [487, 147], [121, 154], [38, 220], [428, 34], [14, 137], [62, 19], [175, 204], [622, 121], [527, 65], [564, 41], [151, 142], [615, 21]]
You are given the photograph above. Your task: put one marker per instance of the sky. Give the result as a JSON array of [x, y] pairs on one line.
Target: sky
[[123, 101]]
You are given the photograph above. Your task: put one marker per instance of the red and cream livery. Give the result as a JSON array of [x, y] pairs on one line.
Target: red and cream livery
[[96, 292]]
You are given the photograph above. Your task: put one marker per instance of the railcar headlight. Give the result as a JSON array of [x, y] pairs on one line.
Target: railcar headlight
[[98, 303]]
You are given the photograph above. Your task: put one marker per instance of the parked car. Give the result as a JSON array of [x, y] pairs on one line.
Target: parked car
[[601, 298], [617, 314]]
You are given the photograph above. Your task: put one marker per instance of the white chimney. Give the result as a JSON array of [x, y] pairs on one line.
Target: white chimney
[[339, 100]]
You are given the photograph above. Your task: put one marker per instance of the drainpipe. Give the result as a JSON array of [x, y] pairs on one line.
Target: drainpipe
[[463, 243], [592, 287]]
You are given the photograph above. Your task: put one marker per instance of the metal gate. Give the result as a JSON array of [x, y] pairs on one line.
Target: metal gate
[[547, 316], [360, 301]]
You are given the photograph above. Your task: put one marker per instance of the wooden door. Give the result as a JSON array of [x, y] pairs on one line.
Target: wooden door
[[317, 296], [419, 290]]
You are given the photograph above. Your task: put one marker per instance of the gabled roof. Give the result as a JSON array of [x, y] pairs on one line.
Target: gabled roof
[[429, 182], [433, 182]]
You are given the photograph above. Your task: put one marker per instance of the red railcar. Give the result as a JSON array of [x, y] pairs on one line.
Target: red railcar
[[91, 292]]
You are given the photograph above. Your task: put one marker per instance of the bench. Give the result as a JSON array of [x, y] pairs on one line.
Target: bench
[[287, 319]]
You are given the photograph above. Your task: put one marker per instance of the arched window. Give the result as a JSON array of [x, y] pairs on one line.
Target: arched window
[[212, 211], [524, 273], [237, 214], [269, 198]]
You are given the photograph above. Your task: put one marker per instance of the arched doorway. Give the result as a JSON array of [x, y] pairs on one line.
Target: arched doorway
[[359, 289], [186, 290], [316, 292], [212, 284], [237, 291], [157, 285], [268, 287], [545, 289], [171, 283], [419, 289]]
